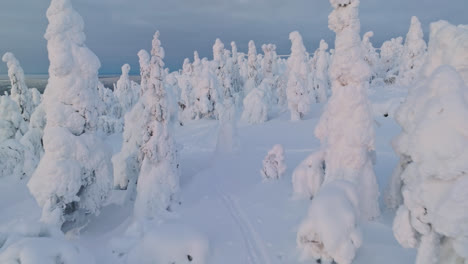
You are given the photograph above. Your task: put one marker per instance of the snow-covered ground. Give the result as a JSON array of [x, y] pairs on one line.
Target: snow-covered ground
[[225, 200]]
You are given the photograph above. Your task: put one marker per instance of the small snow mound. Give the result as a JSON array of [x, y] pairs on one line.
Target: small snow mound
[[308, 176], [168, 243], [273, 164], [32, 243], [331, 235]]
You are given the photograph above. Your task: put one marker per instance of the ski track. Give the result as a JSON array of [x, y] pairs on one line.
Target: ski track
[[256, 250]]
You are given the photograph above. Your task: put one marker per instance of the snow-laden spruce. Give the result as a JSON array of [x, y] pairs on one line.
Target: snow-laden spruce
[[257, 103], [435, 142], [207, 96], [273, 164], [158, 180], [186, 101], [433, 150], [32, 141], [237, 82], [330, 233], [253, 75], [126, 91], [346, 125], [221, 69], [413, 54], [19, 92], [74, 176], [389, 65], [448, 45], [127, 162], [109, 120], [12, 129], [321, 79], [370, 54], [298, 92]]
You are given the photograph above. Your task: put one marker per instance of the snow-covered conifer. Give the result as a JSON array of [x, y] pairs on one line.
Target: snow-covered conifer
[[330, 233], [19, 91], [346, 125], [32, 141], [74, 176], [221, 68], [237, 82], [186, 103], [298, 92], [321, 80], [370, 54], [390, 54], [253, 78], [125, 90], [256, 105], [207, 99], [413, 54], [12, 128], [109, 120], [434, 215], [273, 164], [127, 163], [158, 182]]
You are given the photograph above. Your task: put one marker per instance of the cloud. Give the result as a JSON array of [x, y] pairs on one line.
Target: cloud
[[117, 29]]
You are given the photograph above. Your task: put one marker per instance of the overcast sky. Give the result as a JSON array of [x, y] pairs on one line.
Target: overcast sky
[[117, 29]]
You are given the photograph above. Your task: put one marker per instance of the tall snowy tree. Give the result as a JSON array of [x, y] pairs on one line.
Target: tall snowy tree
[[253, 78], [346, 127], [19, 91], [237, 82], [221, 68], [414, 53], [434, 141], [370, 54], [127, 162], [298, 91], [12, 128], [125, 90], [158, 182], [321, 79], [390, 54], [74, 177]]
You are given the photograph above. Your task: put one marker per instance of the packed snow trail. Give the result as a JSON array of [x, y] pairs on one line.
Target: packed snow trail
[[256, 250]]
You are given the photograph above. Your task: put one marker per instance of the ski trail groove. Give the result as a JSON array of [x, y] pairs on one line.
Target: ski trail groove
[[256, 250]]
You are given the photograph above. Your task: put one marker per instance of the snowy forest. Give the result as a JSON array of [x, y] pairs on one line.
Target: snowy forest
[[351, 154]]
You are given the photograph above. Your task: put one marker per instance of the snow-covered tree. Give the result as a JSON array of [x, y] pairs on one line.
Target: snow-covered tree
[[330, 233], [19, 91], [390, 54], [186, 103], [12, 128], [414, 53], [346, 125], [109, 120], [256, 105], [237, 82], [221, 68], [32, 141], [298, 91], [207, 98], [127, 163], [74, 176], [321, 80], [125, 90], [273, 164], [158, 181], [370, 54], [253, 78], [434, 215]]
